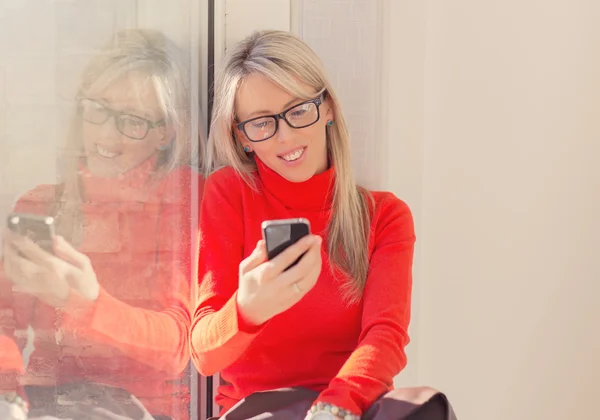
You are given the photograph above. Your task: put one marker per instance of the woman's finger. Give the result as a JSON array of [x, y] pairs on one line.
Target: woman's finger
[[306, 283], [20, 271], [65, 251], [307, 263], [8, 255], [7, 248], [12, 259], [281, 262], [8, 235], [8, 238], [256, 258], [31, 250]]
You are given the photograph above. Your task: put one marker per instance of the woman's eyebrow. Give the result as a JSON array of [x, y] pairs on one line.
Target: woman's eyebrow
[[137, 113], [267, 112], [126, 109]]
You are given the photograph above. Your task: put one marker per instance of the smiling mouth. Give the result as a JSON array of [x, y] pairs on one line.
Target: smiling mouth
[[105, 153], [295, 155]]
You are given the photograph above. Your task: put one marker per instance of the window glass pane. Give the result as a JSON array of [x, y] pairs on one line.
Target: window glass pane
[[99, 123]]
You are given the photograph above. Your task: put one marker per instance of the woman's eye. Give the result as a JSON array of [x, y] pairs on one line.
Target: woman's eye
[[299, 112], [132, 121], [261, 124]]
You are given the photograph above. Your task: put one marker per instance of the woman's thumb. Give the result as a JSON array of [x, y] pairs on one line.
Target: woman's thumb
[[258, 256]]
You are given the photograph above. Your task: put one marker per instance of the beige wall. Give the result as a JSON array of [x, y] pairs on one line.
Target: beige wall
[[489, 113], [508, 195]]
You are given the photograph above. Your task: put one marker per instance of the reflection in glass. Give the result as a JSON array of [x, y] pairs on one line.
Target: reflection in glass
[[101, 323], [132, 126]]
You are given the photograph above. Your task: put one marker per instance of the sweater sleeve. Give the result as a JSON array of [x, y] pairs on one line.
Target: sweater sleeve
[[11, 364], [218, 335], [156, 337], [10, 356], [16, 309], [11, 342], [369, 371]]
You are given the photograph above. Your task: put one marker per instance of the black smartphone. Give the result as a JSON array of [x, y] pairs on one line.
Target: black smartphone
[[40, 229], [280, 234]]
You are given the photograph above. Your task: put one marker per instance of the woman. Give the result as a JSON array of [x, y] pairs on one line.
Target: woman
[[111, 306], [334, 326]]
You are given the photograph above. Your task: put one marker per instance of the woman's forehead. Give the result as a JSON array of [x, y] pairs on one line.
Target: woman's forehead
[[258, 95], [135, 93]]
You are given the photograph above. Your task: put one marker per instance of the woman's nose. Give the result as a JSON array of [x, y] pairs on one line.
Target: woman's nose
[[284, 132], [108, 131]]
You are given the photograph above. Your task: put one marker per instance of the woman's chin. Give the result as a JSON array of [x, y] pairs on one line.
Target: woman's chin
[[295, 173], [297, 176], [102, 169]]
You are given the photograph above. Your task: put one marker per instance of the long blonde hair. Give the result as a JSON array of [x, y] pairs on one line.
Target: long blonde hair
[[284, 59], [152, 54]]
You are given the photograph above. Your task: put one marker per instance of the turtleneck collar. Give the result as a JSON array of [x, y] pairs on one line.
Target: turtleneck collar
[[127, 187], [314, 194]]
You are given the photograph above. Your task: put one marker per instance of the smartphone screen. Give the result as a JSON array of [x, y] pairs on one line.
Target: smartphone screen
[[40, 229], [280, 234]]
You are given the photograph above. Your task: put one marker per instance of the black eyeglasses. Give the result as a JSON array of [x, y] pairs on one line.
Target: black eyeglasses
[[132, 126], [299, 116]]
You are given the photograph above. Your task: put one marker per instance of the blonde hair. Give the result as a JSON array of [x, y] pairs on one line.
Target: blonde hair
[[284, 59], [151, 54]]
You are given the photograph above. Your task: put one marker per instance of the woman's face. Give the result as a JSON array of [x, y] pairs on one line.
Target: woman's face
[[294, 153], [122, 126]]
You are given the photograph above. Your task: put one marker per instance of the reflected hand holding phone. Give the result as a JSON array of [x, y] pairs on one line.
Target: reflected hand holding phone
[[40, 229], [44, 265]]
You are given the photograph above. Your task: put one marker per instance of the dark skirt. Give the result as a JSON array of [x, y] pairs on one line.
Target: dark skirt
[[421, 403], [84, 401]]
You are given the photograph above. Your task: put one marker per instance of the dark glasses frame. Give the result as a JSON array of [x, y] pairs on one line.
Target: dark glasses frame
[[281, 116], [112, 113]]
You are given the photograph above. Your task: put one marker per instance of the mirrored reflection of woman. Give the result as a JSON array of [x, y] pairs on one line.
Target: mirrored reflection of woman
[[111, 308]]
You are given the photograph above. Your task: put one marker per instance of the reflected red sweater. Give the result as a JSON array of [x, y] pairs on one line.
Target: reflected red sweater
[[348, 353], [10, 356], [138, 236]]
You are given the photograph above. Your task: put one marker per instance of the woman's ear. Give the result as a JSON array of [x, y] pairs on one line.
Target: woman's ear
[[238, 135], [235, 132], [162, 146], [330, 114], [168, 137]]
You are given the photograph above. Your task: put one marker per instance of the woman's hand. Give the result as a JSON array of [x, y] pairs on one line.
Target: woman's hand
[[267, 289], [328, 415], [10, 410], [49, 277]]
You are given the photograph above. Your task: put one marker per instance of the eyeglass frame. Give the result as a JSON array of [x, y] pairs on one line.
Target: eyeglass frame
[[281, 116], [113, 113]]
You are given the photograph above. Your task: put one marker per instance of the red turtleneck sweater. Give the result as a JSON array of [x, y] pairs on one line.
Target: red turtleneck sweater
[[350, 354], [138, 236]]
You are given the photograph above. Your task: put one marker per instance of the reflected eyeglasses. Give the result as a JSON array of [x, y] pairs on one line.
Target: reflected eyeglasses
[[132, 126]]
